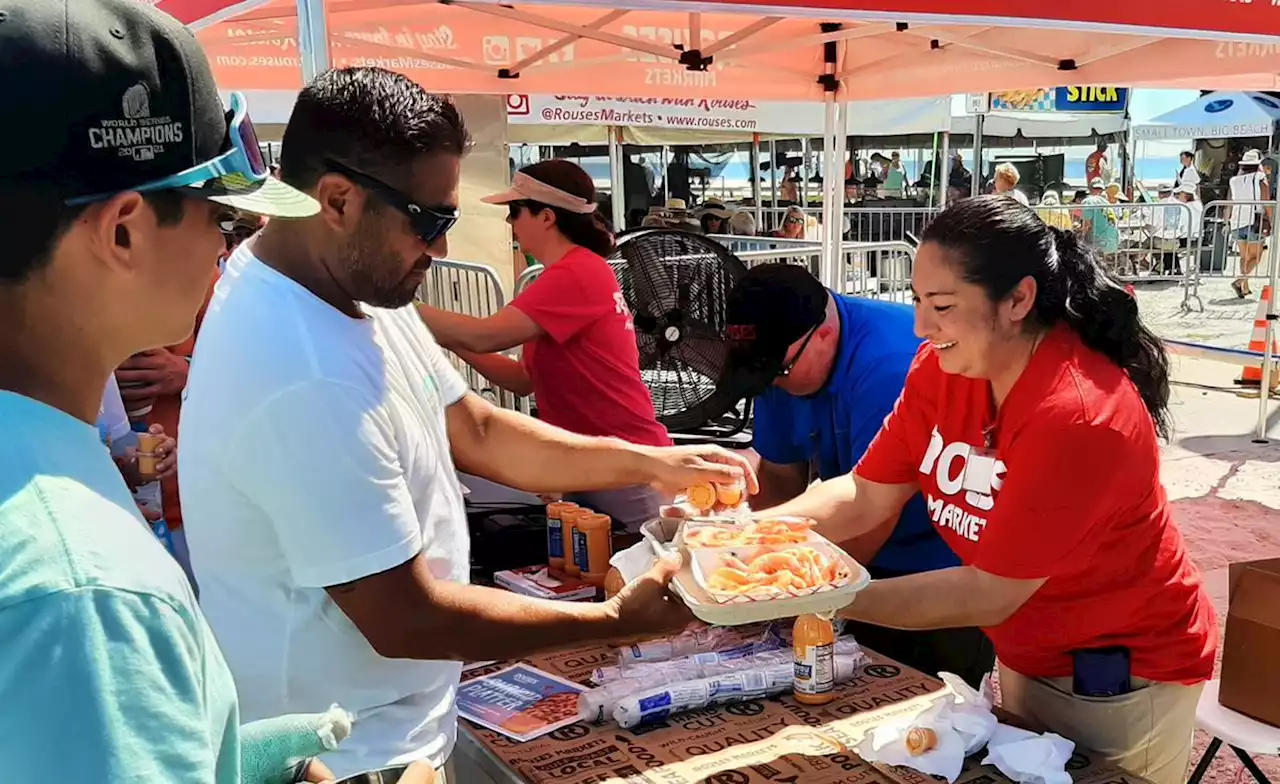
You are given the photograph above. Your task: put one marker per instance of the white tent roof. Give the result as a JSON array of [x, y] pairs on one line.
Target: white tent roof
[[1042, 125], [1218, 115]]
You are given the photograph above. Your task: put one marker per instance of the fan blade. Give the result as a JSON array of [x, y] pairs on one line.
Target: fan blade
[[705, 356]]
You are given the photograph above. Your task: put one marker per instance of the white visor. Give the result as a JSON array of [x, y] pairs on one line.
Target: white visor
[[525, 188]]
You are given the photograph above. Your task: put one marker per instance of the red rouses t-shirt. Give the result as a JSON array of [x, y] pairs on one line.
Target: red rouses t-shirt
[[586, 368], [1069, 490]]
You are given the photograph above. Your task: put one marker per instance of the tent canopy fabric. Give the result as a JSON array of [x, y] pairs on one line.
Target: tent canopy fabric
[[1217, 115], [728, 50], [201, 13]]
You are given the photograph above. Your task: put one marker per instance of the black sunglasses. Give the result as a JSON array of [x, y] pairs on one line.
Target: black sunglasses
[[789, 366], [429, 223], [514, 207]]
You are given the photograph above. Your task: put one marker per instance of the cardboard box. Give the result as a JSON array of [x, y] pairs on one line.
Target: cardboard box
[[539, 582], [1251, 645]]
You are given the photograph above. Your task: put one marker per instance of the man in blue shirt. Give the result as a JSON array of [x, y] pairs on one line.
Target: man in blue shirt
[[825, 370]]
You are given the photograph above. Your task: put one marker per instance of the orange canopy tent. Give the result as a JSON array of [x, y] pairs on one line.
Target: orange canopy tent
[[199, 13], [774, 50], [705, 51]]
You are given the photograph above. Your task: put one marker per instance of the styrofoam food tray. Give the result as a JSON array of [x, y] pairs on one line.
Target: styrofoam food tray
[[811, 536], [707, 559], [661, 535]]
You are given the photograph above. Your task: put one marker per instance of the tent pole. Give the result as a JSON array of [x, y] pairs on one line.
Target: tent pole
[[942, 170], [773, 181], [978, 169], [617, 184], [804, 172], [834, 195], [1268, 354], [933, 156], [755, 181], [830, 252], [313, 39]]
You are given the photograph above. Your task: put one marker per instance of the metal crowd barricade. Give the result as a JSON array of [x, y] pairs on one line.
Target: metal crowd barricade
[[886, 224], [879, 270], [475, 290], [1146, 242], [1229, 229], [807, 254]]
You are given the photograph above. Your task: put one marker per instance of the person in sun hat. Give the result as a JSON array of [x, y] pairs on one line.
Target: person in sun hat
[[714, 216], [120, 160], [579, 354], [1251, 219], [1098, 222]]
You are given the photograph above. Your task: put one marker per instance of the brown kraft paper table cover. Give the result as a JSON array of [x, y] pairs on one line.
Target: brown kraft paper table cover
[[772, 740]]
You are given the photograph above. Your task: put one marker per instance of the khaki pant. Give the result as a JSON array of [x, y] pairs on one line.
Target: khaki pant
[[1147, 731]]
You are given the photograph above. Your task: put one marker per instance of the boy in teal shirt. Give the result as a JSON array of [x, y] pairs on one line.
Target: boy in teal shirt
[[109, 209]]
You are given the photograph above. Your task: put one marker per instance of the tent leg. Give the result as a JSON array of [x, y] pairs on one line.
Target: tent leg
[[1268, 355], [617, 184], [313, 39], [835, 194], [829, 256], [942, 170], [755, 181], [978, 169]]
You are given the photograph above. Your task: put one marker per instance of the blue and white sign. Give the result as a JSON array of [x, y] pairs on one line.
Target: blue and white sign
[[1219, 115]]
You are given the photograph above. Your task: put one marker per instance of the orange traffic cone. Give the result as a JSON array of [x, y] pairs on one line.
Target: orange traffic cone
[[1252, 376]]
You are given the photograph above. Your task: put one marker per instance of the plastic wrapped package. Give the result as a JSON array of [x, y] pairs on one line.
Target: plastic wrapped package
[[697, 638], [656, 703], [747, 656]]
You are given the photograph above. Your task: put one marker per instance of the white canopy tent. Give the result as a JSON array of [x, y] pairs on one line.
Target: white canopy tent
[[1217, 115], [1042, 125]]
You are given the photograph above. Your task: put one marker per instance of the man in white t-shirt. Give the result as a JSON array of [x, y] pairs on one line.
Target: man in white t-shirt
[[323, 430]]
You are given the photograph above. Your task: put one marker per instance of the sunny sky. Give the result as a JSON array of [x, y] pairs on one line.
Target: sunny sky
[[1145, 105]]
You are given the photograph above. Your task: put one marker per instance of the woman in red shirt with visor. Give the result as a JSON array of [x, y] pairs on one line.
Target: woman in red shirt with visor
[[579, 357], [1030, 423]]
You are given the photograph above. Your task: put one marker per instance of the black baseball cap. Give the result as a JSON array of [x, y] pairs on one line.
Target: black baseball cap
[[771, 307], [106, 96]]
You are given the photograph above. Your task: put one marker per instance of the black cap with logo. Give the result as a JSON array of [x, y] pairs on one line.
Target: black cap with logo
[[773, 306], [103, 96]]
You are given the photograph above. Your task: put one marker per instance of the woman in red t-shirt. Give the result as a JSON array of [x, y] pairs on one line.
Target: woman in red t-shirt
[[579, 357], [1030, 422]]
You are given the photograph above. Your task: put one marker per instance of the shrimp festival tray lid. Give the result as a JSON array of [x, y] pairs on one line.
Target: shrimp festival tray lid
[[730, 608]]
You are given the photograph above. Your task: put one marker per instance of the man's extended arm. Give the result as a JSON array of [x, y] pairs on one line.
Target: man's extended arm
[[519, 451]]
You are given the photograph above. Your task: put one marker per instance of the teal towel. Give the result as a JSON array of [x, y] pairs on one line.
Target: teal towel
[[271, 748]]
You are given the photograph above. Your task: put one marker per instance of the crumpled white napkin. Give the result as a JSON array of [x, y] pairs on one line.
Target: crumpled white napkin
[[962, 719], [1028, 758], [634, 561]]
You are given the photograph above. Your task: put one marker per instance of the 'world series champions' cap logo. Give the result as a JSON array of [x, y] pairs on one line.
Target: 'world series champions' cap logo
[[136, 134]]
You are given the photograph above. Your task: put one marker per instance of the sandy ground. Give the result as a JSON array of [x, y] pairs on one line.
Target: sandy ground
[[1226, 493], [1225, 487]]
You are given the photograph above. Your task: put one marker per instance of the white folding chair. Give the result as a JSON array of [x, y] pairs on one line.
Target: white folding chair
[[1244, 735]]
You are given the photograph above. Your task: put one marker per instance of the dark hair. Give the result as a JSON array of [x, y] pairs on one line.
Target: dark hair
[[586, 230], [1187, 153], [34, 217], [999, 242], [372, 119]]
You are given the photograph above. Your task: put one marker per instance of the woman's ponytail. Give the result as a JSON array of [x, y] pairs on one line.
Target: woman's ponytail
[[1105, 315], [1000, 243]]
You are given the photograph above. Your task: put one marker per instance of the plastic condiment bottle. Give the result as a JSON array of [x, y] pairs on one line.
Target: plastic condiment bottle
[[556, 543], [593, 547], [568, 524], [813, 640]]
